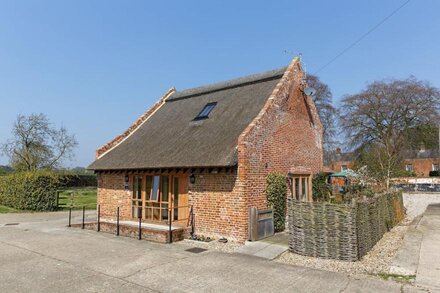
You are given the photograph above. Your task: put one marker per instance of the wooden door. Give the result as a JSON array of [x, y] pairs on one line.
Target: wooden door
[[180, 199]]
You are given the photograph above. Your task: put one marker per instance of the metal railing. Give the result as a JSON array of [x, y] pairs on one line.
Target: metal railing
[[190, 220]]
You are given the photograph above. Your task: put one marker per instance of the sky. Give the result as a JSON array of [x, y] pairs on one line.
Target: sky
[[95, 66]]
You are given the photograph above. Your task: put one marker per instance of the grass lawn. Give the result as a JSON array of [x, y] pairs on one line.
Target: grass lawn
[[5, 210], [82, 196]]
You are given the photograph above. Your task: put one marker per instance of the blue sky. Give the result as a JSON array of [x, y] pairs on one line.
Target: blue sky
[[95, 66]]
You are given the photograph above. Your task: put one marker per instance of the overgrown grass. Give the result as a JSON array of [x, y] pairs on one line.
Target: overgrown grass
[[82, 196], [6, 210], [397, 277]]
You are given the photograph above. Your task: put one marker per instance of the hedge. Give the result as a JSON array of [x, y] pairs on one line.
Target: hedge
[[276, 192], [34, 191], [78, 180]]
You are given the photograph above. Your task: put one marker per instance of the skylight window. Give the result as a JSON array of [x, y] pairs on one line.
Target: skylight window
[[205, 111]]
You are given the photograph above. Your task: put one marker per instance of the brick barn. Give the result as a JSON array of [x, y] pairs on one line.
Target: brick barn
[[210, 149]]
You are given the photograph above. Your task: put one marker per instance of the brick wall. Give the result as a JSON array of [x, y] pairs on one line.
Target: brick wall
[[285, 136], [421, 167], [219, 205], [111, 194]]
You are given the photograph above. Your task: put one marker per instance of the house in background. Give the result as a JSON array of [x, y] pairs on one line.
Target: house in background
[[211, 148], [342, 161], [420, 162]]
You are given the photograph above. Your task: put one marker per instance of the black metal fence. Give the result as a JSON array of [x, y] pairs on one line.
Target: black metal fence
[[190, 221]]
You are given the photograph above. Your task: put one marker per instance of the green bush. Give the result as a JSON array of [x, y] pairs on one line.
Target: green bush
[[321, 188], [276, 192], [434, 173], [34, 191]]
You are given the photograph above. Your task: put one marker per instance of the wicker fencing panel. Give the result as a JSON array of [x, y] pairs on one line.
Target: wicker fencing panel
[[341, 231]]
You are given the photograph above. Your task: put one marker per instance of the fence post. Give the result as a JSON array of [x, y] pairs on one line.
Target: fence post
[[70, 216], [170, 231], [140, 223], [58, 199], [84, 215], [99, 217], [117, 222], [192, 222]]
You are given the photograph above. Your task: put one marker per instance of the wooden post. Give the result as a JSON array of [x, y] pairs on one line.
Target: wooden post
[[84, 216], [117, 222], [170, 231], [99, 218]]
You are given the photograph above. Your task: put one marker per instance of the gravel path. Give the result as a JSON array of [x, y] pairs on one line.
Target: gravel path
[[378, 260]]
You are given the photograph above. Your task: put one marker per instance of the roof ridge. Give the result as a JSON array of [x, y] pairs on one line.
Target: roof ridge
[[228, 84]]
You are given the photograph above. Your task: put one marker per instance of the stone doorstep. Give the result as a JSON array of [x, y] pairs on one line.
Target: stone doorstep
[[151, 226]]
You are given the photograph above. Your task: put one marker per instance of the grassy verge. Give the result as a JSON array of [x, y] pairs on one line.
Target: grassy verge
[[396, 277], [82, 196], [5, 210]]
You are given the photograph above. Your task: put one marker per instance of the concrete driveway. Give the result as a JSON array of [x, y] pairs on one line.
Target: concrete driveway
[[41, 255], [420, 253]]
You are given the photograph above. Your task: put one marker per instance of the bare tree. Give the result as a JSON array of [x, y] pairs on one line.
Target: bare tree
[[327, 113], [36, 144], [382, 115]]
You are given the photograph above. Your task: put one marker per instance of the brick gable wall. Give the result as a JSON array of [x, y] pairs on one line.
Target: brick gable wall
[[286, 136]]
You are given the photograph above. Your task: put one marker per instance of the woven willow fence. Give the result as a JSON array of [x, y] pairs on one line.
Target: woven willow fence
[[342, 231]]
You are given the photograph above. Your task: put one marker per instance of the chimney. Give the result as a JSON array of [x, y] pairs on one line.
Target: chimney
[[338, 151], [422, 147]]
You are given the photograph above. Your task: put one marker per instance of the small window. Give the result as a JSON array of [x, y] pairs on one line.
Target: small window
[[205, 111], [434, 167], [344, 167], [408, 167]]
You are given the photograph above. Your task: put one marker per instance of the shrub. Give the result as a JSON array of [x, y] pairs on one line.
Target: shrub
[[276, 192], [434, 173], [35, 191], [321, 188]]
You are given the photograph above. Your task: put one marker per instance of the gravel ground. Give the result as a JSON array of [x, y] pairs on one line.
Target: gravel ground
[[378, 260], [228, 247]]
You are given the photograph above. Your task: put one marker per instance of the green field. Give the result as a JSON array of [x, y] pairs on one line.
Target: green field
[[82, 196]]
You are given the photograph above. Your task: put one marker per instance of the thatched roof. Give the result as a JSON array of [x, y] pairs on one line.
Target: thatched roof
[[171, 138]]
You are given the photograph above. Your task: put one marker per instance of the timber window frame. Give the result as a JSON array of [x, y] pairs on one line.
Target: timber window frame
[[137, 197], [154, 197], [301, 187]]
